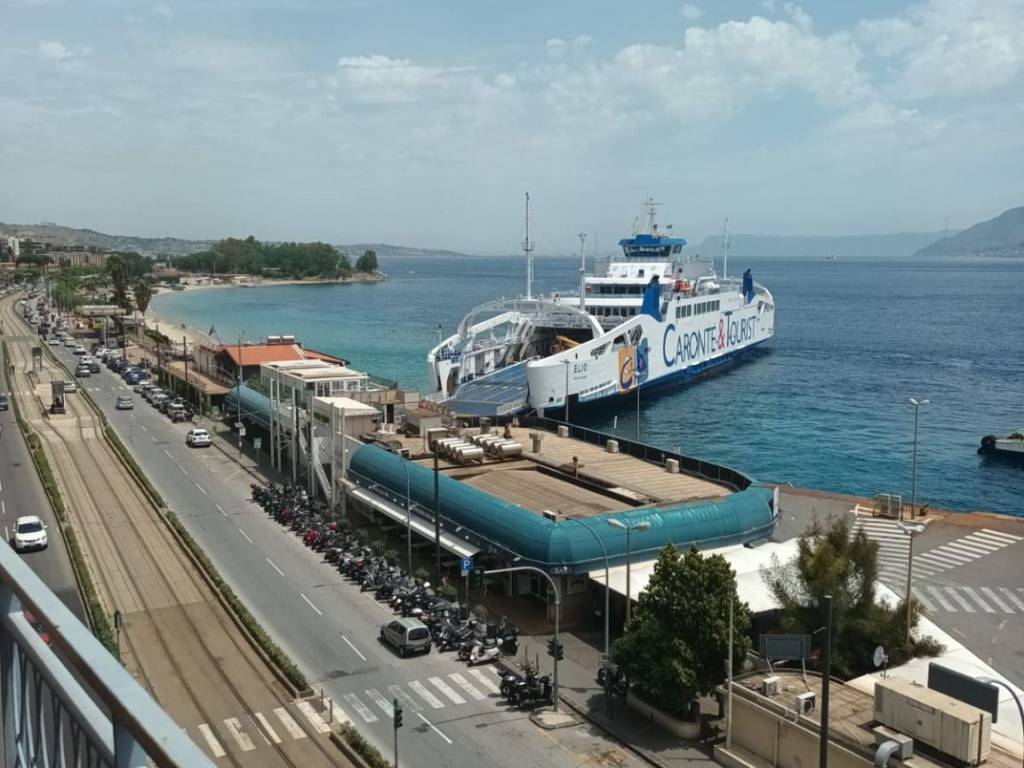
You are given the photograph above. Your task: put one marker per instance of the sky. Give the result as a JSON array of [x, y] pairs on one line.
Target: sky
[[423, 123]]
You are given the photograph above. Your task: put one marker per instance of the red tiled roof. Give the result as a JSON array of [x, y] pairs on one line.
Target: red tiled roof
[[257, 354]]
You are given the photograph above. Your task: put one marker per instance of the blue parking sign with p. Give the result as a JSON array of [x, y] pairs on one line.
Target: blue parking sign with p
[[467, 566]]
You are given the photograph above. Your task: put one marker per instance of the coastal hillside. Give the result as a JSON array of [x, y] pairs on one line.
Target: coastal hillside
[[385, 251], [1001, 236], [852, 246], [89, 238]]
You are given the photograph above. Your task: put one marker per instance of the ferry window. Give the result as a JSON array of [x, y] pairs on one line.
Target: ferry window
[[620, 341], [677, 249], [718, 304], [641, 273]]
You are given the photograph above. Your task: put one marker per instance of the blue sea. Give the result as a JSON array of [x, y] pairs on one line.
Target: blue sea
[[824, 405]]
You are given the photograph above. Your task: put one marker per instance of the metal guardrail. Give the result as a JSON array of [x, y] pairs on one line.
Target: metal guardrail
[[49, 718]]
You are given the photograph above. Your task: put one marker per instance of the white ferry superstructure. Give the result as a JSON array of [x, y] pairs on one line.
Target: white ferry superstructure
[[650, 318]]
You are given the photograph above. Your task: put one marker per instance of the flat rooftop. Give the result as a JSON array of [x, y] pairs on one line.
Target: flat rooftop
[[598, 483]]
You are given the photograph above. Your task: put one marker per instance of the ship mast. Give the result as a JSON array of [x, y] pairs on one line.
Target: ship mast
[[528, 250], [583, 271], [725, 250]]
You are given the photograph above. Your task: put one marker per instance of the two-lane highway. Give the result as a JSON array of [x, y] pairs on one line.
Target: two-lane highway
[[330, 628]]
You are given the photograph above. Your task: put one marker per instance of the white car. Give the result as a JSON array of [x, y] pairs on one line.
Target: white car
[[79, 350], [54, 341], [70, 386], [198, 438], [29, 533]]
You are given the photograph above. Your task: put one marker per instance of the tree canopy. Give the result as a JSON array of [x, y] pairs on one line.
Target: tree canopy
[[677, 645], [143, 293], [296, 260], [117, 271], [830, 560]]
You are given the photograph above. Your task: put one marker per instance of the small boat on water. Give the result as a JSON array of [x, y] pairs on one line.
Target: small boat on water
[[1011, 445]]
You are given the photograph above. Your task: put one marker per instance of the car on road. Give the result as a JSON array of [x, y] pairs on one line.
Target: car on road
[[4, 403], [70, 386], [94, 367], [54, 341], [406, 635], [124, 403], [200, 438], [144, 386], [82, 372], [78, 350], [29, 533], [157, 399]]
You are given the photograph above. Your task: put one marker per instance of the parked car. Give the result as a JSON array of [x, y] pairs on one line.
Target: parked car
[[78, 350], [70, 386], [157, 399], [94, 367], [82, 372], [54, 341], [4, 403], [29, 533], [124, 403], [143, 386], [406, 635], [200, 438]]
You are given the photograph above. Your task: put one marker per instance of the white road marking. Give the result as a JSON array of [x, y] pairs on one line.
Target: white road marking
[[313, 716], [421, 690], [220, 509], [268, 729], [245, 535], [467, 686], [966, 550], [293, 728], [433, 727], [201, 489], [168, 454], [1012, 598], [349, 642], [942, 600], [1002, 534], [7, 533], [234, 726], [959, 600], [985, 544], [928, 606], [154, 439], [274, 566], [943, 559], [3, 507], [486, 681], [310, 604], [385, 706], [211, 740], [997, 600], [446, 689], [358, 706], [183, 470], [977, 598], [998, 541], [408, 700], [259, 731]]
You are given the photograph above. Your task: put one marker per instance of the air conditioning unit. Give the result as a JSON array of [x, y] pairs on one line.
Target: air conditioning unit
[[552, 516], [805, 702], [771, 686]]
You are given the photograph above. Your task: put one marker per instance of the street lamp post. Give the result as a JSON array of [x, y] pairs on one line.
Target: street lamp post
[[825, 679], [641, 526], [913, 472], [566, 363], [1016, 698], [911, 531], [607, 583], [408, 520]]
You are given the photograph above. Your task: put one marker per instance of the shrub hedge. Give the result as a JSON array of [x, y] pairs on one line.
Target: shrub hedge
[[362, 747]]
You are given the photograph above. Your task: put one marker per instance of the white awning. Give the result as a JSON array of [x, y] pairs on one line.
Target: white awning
[[746, 562], [424, 528]]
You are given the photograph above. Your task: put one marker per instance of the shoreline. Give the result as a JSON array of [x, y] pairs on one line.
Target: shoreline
[[353, 279]]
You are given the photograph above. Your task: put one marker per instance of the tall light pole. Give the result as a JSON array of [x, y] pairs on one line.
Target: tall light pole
[[1016, 698], [566, 363], [583, 271], [408, 518], [641, 526], [911, 531], [825, 679], [913, 476]]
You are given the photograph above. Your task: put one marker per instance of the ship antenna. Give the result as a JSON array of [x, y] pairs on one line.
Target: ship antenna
[[528, 250], [583, 271], [725, 250]]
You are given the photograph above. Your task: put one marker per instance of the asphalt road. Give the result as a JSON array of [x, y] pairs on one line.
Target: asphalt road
[[452, 715], [21, 493]]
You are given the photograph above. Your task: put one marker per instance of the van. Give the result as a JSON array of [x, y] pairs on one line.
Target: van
[[407, 635]]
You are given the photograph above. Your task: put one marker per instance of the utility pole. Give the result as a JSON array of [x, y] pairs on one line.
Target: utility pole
[[238, 395], [913, 472], [437, 512], [184, 357], [825, 674]]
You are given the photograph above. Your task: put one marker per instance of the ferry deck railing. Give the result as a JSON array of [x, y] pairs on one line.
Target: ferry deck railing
[[73, 704]]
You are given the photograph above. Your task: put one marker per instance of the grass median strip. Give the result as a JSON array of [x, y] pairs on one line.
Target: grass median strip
[[369, 753]]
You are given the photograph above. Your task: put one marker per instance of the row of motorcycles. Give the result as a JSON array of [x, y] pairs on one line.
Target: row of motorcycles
[[450, 625]]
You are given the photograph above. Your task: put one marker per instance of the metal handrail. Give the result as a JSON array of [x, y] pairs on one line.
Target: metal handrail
[[138, 727]]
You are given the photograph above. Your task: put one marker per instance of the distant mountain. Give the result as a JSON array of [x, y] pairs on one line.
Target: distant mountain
[[148, 246], [1001, 236], [385, 251], [843, 247]]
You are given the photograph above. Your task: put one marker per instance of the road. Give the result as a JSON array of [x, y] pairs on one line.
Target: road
[[452, 715], [177, 639], [21, 493]]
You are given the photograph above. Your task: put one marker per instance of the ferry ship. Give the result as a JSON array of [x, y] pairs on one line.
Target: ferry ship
[[649, 318]]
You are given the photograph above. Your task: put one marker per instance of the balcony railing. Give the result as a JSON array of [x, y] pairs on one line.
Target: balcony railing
[[49, 718]]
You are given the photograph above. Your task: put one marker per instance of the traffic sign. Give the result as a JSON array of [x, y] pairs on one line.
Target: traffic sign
[[467, 566], [257, 443]]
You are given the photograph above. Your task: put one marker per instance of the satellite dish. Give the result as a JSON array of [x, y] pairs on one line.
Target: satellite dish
[[879, 657]]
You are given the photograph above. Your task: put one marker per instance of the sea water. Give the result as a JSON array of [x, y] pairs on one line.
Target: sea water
[[825, 404]]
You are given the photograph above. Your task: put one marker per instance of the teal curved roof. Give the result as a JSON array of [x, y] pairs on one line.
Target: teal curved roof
[[734, 519], [255, 405]]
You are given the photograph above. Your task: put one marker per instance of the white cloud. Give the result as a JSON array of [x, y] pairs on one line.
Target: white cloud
[[51, 50], [690, 12], [945, 46], [380, 79]]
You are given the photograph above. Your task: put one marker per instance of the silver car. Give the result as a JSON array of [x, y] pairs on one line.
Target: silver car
[[407, 635]]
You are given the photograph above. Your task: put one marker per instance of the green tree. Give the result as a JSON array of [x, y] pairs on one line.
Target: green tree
[[117, 272], [143, 293], [677, 644], [367, 262], [830, 560]]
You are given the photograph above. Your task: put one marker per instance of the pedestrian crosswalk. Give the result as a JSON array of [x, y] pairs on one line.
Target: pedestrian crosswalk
[[245, 734], [894, 549], [435, 692], [963, 599]]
